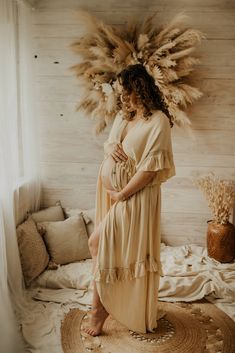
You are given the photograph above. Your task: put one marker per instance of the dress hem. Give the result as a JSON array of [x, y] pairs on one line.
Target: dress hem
[[138, 269]]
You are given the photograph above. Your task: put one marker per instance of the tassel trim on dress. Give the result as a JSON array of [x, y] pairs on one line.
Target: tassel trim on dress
[[136, 270]]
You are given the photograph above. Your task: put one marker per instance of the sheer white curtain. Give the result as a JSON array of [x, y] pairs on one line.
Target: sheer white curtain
[[19, 161]]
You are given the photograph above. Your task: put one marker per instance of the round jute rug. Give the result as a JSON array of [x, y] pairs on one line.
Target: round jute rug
[[197, 327]]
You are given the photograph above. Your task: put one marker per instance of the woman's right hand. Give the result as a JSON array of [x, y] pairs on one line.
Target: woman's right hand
[[117, 153]]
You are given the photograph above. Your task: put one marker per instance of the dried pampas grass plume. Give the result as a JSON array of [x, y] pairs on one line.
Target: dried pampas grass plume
[[165, 52], [220, 195]]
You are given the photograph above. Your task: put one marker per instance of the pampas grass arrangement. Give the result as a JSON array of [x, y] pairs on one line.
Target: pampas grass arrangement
[[166, 53], [220, 195]]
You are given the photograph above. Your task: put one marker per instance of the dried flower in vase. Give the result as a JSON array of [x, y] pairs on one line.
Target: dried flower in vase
[[220, 194]]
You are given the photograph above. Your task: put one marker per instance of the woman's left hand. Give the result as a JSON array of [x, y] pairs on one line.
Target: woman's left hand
[[115, 195]]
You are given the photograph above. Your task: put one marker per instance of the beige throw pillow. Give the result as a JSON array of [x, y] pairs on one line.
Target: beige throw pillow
[[88, 215], [33, 253], [67, 240], [49, 214]]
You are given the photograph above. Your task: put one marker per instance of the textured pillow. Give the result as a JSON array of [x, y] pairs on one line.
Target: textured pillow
[[69, 212], [33, 253], [49, 214], [88, 215], [67, 240]]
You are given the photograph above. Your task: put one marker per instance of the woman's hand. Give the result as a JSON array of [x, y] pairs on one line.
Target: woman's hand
[[117, 153], [136, 183], [115, 195]]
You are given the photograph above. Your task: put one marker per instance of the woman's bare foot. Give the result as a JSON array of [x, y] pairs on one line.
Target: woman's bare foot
[[98, 317]]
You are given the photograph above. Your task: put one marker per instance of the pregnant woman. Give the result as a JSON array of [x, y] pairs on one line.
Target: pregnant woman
[[125, 244]]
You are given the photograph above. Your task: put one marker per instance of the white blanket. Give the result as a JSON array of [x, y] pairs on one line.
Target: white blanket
[[189, 274]]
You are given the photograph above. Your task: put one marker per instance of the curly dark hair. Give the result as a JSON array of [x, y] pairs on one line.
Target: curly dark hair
[[135, 78]]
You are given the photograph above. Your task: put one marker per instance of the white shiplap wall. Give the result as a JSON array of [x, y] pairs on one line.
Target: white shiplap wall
[[71, 154]]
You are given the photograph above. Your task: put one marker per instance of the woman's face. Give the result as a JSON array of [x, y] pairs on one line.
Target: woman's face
[[129, 101]]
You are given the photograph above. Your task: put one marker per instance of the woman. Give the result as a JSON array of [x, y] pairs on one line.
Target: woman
[[125, 244]]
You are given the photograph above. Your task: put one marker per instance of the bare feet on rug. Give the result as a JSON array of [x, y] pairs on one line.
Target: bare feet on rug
[[98, 317]]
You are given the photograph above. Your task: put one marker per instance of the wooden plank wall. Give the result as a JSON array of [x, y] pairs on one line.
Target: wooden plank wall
[[70, 152]]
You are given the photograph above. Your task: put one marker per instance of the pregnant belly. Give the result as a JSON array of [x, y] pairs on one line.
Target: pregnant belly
[[116, 175], [106, 172]]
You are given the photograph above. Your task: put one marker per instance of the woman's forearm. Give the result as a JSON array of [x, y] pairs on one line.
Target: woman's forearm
[[137, 182]]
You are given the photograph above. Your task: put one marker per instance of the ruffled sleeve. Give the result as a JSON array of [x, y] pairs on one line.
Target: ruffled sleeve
[[157, 155], [161, 162]]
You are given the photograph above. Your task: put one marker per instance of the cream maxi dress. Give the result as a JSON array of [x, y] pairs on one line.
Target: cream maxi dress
[[128, 265]]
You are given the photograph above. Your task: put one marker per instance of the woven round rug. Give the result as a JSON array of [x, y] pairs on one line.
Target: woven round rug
[[197, 327]]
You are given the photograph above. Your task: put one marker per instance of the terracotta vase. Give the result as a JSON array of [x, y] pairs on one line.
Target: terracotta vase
[[221, 241]]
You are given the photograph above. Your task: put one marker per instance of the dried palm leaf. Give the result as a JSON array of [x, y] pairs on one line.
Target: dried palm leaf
[[190, 37], [177, 21], [169, 75], [89, 22], [142, 41], [130, 32], [148, 27], [181, 53]]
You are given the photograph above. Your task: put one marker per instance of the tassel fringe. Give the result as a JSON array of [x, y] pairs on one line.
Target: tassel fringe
[[138, 269]]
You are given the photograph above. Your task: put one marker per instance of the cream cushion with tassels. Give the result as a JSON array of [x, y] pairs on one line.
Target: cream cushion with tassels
[[49, 214], [88, 215]]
